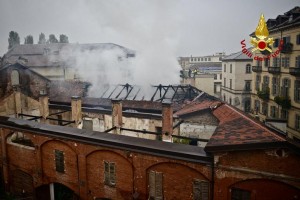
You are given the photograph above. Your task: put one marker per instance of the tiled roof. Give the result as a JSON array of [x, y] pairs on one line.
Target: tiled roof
[[236, 129]]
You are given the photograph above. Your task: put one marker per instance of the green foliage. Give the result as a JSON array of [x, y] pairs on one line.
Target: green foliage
[[63, 39], [181, 141], [42, 39], [28, 39], [264, 94], [13, 39], [284, 102], [52, 39]]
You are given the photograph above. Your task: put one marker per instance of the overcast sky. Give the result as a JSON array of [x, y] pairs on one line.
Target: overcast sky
[[187, 27]]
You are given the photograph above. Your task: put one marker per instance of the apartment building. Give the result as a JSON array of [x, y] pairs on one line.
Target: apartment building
[[276, 81], [203, 72], [237, 78]]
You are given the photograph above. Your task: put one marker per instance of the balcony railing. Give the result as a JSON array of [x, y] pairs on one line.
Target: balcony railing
[[295, 71], [257, 69], [274, 70], [287, 48]]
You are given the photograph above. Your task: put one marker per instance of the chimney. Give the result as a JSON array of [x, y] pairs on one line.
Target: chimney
[[117, 115], [44, 105], [18, 102], [76, 110], [167, 121]]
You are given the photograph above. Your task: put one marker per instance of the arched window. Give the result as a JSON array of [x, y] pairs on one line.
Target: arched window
[[15, 77]]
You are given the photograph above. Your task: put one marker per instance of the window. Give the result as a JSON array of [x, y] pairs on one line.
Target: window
[[286, 39], [275, 86], [298, 39], [258, 63], [257, 82], [224, 97], [155, 185], [230, 101], [215, 76], [284, 114], [265, 84], [109, 173], [224, 67], [198, 59], [276, 62], [239, 194], [267, 63], [221, 77], [201, 59], [230, 83], [297, 91], [276, 42], [285, 87], [257, 106], [59, 161], [200, 189], [264, 109], [247, 106], [248, 69], [205, 59], [247, 85], [209, 59], [297, 122], [273, 113], [285, 62], [230, 68], [297, 63], [15, 77], [224, 82]]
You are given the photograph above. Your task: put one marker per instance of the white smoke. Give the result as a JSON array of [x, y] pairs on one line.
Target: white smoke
[[149, 28]]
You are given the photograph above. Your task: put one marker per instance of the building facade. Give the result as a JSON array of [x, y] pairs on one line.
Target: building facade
[[203, 72], [237, 81], [276, 81]]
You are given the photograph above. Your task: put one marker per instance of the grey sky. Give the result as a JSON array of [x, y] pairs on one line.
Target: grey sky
[[187, 27]]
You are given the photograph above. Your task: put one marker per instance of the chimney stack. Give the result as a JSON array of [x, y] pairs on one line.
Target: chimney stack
[[167, 121], [44, 105], [117, 115], [76, 110]]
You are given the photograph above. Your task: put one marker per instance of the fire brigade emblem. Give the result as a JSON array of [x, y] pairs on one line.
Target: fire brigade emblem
[[261, 42]]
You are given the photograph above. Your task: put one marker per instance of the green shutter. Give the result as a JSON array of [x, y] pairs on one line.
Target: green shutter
[[151, 184], [112, 173], [106, 173], [159, 185]]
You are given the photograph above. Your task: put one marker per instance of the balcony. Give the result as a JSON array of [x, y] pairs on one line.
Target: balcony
[[283, 101], [287, 48], [295, 71], [274, 70], [264, 94], [257, 69]]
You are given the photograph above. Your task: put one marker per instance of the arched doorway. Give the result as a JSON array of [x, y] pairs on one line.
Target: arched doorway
[[57, 190]]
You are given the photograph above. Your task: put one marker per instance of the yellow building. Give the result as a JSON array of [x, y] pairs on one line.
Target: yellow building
[[275, 95]]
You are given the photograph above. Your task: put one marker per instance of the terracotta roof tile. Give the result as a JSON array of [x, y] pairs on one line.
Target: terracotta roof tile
[[236, 128], [196, 106]]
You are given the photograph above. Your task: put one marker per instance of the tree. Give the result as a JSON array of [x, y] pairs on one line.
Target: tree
[[63, 39], [42, 39], [13, 39], [52, 39], [28, 39]]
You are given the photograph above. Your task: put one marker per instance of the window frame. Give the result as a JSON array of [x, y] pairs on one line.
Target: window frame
[[109, 174], [59, 157]]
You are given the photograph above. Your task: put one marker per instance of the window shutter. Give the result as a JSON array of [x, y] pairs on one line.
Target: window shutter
[[112, 173], [204, 190], [159, 185], [151, 184], [106, 172], [196, 190]]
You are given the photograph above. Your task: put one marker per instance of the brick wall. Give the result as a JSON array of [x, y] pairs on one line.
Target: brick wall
[[84, 169]]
